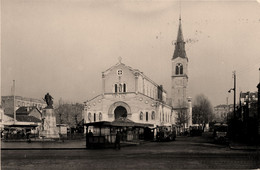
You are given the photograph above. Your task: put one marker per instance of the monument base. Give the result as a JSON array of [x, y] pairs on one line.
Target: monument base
[[1, 117], [49, 129]]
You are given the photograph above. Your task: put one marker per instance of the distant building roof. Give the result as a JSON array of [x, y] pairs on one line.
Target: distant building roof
[[24, 99], [24, 110], [26, 118], [248, 94], [221, 105]]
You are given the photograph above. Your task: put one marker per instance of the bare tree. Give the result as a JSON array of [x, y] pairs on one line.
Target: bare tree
[[202, 110], [182, 115], [70, 114]]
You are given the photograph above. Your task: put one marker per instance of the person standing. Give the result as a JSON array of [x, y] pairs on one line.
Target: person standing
[[89, 134], [117, 142], [28, 136]]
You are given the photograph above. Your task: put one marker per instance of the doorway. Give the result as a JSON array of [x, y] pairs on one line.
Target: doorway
[[120, 111]]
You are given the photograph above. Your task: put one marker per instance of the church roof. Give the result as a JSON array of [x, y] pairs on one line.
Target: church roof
[[25, 118], [134, 71], [180, 44]]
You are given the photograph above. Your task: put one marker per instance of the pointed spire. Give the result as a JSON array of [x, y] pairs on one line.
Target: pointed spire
[[180, 44], [180, 35]]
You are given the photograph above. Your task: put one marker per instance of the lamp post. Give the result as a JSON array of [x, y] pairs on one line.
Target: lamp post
[[258, 108]]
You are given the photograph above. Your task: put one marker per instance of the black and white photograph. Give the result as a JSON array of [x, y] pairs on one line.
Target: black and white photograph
[[129, 84]]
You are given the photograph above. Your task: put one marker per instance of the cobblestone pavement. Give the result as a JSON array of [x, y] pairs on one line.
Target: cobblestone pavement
[[185, 152]]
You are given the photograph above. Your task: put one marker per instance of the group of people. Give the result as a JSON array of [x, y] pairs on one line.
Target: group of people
[[15, 134]]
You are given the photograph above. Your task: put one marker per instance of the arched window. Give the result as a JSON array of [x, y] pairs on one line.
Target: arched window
[[146, 116], [124, 87], [115, 88], [163, 117], [94, 117], [179, 69], [89, 117], [100, 116], [141, 115], [153, 115], [120, 88]]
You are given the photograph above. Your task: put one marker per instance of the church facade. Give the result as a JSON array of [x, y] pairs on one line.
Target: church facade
[[128, 93]]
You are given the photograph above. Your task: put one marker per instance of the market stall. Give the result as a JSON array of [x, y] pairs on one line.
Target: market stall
[[103, 133]]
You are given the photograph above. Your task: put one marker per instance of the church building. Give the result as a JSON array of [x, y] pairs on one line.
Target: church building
[[129, 93]]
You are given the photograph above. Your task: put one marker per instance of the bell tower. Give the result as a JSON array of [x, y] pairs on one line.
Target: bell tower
[[179, 73]]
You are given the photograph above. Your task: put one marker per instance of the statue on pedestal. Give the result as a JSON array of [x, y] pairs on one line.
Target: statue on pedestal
[[48, 99], [48, 126]]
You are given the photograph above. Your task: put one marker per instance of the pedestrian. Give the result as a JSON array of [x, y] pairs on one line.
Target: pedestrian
[[28, 137], [7, 135], [89, 134], [117, 142]]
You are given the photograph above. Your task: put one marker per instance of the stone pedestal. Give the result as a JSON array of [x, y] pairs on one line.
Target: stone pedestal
[[1, 117], [49, 129]]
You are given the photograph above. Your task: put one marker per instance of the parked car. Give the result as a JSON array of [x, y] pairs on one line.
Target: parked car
[[166, 133], [196, 130]]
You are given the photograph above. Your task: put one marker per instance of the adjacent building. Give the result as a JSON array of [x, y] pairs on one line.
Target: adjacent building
[[248, 104], [221, 112], [21, 112], [11, 103], [248, 97], [25, 116]]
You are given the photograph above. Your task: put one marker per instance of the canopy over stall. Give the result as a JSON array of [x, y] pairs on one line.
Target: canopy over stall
[[120, 122], [105, 132]]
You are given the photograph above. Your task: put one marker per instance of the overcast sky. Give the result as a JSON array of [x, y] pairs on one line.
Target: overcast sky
[[62, 46]]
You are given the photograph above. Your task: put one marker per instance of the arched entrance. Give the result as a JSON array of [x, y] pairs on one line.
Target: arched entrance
[[120, 111]]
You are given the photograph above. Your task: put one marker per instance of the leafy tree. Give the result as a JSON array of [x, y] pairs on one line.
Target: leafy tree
[[202, 111]]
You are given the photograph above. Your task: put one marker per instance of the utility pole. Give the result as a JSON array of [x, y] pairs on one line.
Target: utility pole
[[14, 101], [258, 107], [234, 89], [234, 75], [227, 110]]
